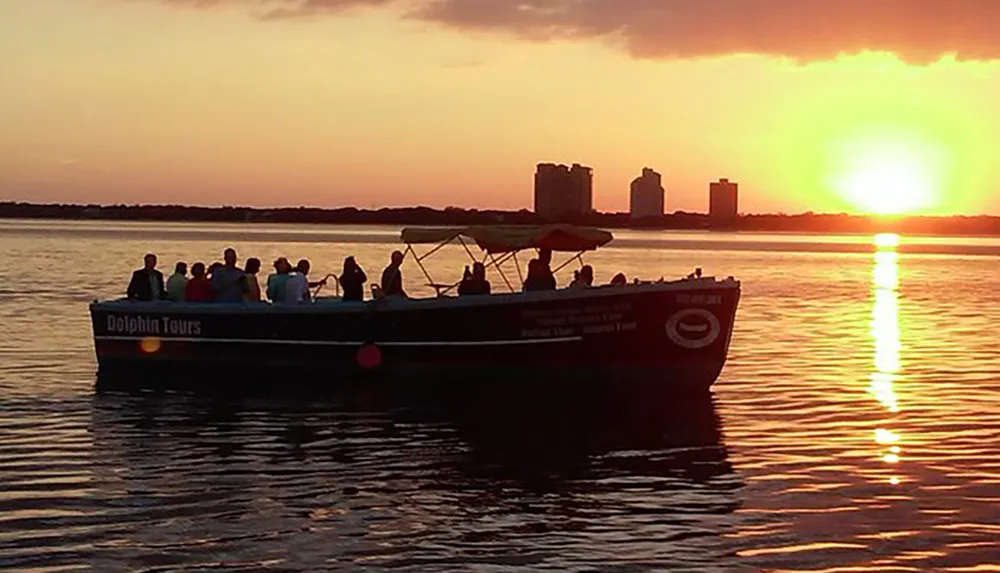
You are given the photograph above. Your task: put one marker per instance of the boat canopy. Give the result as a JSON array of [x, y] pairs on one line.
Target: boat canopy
[[510, 238]]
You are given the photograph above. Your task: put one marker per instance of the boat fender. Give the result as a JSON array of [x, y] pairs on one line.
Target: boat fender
[[369, 356]]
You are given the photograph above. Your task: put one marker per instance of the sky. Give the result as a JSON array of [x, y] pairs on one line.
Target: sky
[[841, 105]]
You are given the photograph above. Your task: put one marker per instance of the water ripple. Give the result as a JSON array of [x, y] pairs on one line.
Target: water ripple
[[856, 428]]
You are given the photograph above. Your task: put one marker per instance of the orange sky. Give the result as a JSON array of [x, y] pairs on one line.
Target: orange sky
[[383, 102]]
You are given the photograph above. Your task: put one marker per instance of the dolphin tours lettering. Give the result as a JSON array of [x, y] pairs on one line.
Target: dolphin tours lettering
[[153, 326]]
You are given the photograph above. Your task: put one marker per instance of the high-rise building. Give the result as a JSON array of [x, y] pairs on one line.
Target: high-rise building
[[562, 191], [646, 195], [723, 202]]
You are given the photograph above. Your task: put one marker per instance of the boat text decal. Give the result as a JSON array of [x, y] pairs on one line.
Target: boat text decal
[[574, 321], [693, 328], [152, 326], [687, 298]]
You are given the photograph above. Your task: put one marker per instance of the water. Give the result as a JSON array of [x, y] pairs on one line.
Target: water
[[856, 428]]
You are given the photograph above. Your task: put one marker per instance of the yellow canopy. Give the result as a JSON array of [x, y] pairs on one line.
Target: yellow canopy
[[506, 238]]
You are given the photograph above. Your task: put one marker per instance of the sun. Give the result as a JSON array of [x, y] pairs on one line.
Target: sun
[[888, 176], [888, 186]]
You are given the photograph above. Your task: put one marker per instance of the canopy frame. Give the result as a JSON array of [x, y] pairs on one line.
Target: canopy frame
[[489, 260], [502, 244]]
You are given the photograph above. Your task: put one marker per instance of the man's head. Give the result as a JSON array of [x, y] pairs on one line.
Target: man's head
[[181, 268], [397, 258], [229, 255], [479, 270], [149, 261], [281, 265], [253, 265], [303, 266]]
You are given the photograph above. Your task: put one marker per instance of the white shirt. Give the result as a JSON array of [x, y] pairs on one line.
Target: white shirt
[[296, 289]]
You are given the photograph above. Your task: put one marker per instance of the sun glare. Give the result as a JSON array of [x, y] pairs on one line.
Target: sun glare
[[887, 187], [888, 176]]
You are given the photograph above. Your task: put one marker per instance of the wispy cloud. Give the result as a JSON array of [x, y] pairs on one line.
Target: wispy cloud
[[917, 30]]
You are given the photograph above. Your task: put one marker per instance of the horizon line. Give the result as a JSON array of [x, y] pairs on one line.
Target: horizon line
[[489, 210]]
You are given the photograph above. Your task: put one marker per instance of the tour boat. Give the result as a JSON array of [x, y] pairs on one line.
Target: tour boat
[[675, 334]]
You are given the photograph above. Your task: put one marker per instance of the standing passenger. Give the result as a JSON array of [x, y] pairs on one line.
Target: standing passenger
[[251, 286], [177, 283], [147, 282], [392, 276], [548, 280], [227, 280], [353, 281]]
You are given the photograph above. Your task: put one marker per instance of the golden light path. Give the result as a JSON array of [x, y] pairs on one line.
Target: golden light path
[[886, 336]]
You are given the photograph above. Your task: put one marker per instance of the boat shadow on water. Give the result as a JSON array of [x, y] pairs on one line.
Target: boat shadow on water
[[558, 440], [379, 478]]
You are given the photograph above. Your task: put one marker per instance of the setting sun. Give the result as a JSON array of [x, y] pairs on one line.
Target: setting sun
[[886, 186], [889, 175]]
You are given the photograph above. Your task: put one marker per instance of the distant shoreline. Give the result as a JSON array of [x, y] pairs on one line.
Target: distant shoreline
[[983, 225]]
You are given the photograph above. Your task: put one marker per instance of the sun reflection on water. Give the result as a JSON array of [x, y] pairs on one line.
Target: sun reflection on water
[[886, 336]]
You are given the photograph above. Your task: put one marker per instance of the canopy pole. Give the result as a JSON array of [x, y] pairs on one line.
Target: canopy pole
[[466, 247], [430, 252], [517, 265], [500, 270], [409, 248], [579, 256]]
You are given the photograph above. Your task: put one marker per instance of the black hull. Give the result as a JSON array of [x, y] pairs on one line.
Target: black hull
[[673, 334]]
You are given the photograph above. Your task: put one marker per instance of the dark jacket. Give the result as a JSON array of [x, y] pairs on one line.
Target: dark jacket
[[392, 281], [540, 277], [473, 285], [141, 287], [353, 283]]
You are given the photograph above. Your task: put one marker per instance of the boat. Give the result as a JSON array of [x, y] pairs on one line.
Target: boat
[[675, 334]]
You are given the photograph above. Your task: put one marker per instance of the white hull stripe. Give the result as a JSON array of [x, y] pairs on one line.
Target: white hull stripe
[[349, 343]]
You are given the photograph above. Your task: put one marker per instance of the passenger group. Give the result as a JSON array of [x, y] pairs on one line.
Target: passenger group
[[226, 282]]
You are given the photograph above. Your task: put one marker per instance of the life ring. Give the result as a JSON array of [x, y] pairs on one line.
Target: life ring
[[693, 328]]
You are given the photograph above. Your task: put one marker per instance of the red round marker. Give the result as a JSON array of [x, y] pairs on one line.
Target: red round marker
[[369, 356]]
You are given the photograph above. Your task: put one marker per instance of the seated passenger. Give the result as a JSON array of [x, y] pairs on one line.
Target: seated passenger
[[584, 278], [147, 282], [475, 283], [251, 286], [199, 288], [619, 280], [353, 281], [392, 277], [177, 283], [227, 279], [297, 287], [277, 282]]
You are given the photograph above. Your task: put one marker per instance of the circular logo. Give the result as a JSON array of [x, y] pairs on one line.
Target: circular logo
[[693, 328]]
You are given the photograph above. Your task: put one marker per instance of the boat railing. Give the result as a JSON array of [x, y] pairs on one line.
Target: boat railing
[[336, 283]]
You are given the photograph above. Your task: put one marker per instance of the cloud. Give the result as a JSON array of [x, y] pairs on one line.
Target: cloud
[[916, 30]]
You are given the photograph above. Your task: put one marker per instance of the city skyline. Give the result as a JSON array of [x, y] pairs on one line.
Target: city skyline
[[381, 103]]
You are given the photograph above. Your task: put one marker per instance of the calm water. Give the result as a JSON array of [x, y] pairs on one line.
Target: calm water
[[856, 428]]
